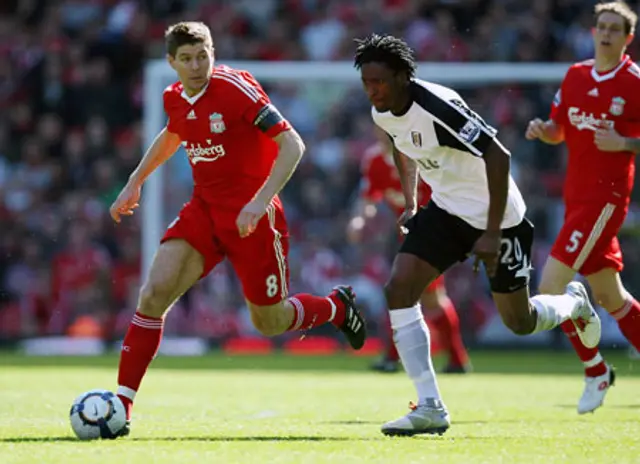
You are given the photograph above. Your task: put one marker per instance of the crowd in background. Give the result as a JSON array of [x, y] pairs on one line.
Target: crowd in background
[[70, 134]]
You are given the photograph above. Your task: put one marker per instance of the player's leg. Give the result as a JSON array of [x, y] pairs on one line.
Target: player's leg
[[186, 253], [442, 316], [609, 292], [524, 315], [429, 248], [567, 254], [260, 261]]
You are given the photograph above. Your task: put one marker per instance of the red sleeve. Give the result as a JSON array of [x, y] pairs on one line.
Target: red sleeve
[[252, 101], [558, 111], [168, 109], [369, 190]]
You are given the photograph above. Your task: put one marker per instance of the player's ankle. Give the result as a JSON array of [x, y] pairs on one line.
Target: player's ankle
[[338, 318], [596, 371], [128, 405]]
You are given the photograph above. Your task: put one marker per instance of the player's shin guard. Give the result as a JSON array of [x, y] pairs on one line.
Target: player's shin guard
[[140, 346], [628, 318], [411, 336]]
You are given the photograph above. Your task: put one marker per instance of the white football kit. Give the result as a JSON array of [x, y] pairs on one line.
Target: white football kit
[[447, 140]]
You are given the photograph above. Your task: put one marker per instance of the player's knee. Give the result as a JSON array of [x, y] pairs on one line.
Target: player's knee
[[269, 320], [611, 301], [520, 324], [400, 293], [155, 299]]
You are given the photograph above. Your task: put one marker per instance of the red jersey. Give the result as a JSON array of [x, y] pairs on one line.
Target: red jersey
[[381, 181], [588, 101], [230, 151]]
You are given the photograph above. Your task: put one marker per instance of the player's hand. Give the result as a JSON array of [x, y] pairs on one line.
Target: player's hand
[[127, 201], [487, 250], [250, 216], [609, 140], [407, 214], [535, 129]]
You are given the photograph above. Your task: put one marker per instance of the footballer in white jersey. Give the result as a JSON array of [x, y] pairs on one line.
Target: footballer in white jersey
[[475, 209]]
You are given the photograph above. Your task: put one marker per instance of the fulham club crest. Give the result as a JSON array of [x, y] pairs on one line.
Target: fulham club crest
[[216, 123], [617, 106], [416, 139]]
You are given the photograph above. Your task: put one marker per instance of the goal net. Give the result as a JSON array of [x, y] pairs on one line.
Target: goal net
[[324, 101]]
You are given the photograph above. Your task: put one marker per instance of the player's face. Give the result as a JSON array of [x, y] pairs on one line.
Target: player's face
[[609, 34], [193, 63], [382, 85]]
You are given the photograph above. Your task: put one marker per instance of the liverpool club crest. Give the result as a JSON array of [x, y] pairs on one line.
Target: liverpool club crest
[[216, 123], [617, 106]]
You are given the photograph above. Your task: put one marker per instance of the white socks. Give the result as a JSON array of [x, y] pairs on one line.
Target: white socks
[[412, 339], [553, 310]]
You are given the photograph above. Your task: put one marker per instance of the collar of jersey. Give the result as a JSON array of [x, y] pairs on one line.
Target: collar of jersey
[[605, 77]]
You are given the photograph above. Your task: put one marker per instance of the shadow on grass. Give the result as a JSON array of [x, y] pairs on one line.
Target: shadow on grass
[[259, 438], [613, 406], [485, 362]]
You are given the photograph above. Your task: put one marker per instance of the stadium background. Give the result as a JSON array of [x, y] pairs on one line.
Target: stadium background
[[71, 93]]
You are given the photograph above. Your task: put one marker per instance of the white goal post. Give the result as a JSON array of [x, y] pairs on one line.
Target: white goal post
[[158, 75]]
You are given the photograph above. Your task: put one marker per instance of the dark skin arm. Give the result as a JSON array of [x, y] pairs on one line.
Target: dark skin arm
[[408, 171], [497, 165]]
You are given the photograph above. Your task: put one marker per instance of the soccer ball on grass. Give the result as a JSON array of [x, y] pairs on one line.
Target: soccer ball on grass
[[97, 414]]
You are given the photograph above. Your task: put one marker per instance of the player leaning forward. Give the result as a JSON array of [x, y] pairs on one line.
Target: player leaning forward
[[242, 152], [475, 208]]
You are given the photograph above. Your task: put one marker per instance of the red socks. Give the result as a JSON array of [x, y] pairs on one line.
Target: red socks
[[447, 324], [628, 318], [138, 350], [313, 311]]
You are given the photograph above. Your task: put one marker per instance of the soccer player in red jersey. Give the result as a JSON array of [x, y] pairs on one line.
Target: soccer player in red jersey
[[596, 113], [381, 183], [242, 153]]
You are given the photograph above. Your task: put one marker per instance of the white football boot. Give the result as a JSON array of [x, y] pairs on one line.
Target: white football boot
[[430, 416], [595, 389], [584, 317]]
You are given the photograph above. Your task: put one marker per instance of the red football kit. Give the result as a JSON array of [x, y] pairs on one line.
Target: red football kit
[[226, 131], [381, 183], [598, 184]]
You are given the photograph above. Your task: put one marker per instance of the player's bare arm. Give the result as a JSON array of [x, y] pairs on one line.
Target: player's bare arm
[[163, 147], [611, 140], [290, 151], [548, 131], [408, 171], [497, 165]]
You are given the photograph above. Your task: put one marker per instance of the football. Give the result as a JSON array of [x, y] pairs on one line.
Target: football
[[97, 414]]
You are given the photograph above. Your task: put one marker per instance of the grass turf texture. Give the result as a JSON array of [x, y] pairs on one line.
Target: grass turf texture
[[517, 407]]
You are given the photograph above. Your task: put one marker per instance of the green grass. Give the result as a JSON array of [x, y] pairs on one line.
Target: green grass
[[516, 408]]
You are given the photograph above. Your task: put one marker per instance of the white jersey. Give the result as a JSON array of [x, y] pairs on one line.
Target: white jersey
[[447, 140]]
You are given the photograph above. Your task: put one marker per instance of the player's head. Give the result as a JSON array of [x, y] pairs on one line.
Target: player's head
[[615, 24], [190, 53], [386, 65]]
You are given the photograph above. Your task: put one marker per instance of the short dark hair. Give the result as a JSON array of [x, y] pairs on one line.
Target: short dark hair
[[392, 51], [621, 9], [186, 33]]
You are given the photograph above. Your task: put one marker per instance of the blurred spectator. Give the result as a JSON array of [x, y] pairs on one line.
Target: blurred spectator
[[71, 95]]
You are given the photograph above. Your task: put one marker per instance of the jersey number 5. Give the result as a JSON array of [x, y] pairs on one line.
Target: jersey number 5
[[574, 241]]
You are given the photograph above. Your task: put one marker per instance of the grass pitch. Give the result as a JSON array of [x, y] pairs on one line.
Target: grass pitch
[[515, 408]]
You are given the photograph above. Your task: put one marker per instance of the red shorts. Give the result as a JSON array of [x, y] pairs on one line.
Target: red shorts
[[260, 260], [588, 239]]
